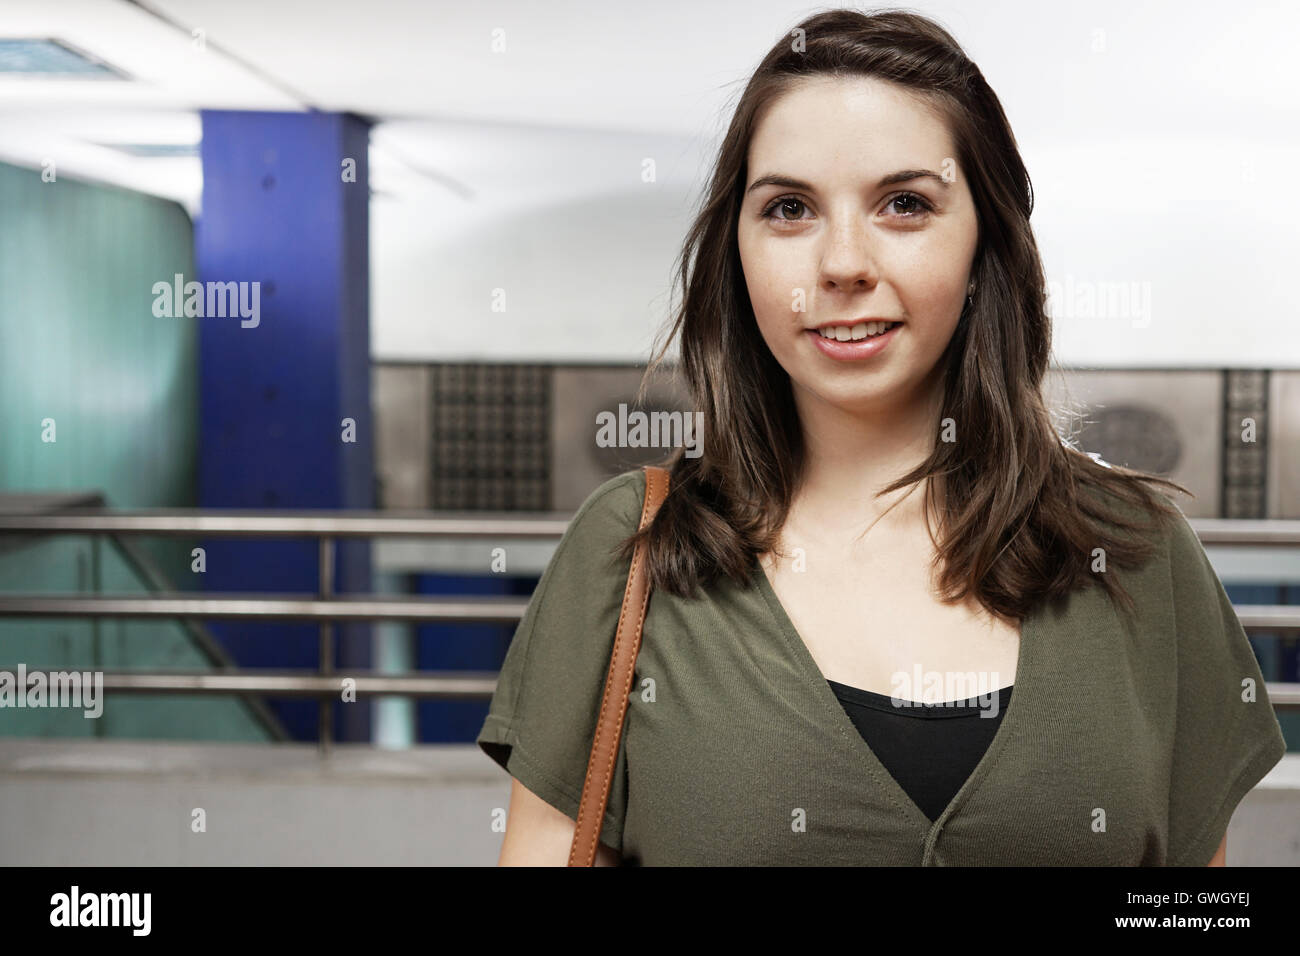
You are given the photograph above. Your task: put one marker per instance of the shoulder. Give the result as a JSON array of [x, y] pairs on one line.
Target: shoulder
[[615, 504], [617, 493], [605, 519], [1178, 543], [1167, 532], [1168, 562]]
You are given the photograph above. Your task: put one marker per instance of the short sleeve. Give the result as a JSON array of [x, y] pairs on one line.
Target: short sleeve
[[1225, 740], [542, 718]]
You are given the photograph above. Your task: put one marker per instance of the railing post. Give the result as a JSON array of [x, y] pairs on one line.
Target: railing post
[[326, 643], [97, 623]]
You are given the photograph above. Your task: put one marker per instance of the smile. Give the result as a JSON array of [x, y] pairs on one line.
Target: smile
[[855, 333], [853, 343]]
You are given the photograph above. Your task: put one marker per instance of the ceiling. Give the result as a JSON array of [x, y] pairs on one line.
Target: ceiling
[[509, 135], [467, 96]]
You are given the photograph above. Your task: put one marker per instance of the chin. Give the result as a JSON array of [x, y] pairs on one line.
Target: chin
[[851, 394]]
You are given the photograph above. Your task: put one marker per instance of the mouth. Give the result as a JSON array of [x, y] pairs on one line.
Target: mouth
[[860, 340], [855, 332]]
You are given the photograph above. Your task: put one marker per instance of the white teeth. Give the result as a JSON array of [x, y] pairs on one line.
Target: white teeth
[[845, 333]]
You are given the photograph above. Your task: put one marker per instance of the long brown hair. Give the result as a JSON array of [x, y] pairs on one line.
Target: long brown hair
[[1019, 527]]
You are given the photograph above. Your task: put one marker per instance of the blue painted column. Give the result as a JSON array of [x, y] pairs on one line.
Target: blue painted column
[[285, 215]]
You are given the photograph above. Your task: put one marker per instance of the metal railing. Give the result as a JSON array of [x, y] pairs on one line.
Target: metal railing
[[327, 607]]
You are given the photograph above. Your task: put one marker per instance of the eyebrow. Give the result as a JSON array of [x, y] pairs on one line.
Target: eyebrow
[[902, 176]]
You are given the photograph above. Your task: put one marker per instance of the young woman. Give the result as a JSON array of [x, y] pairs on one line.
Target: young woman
[[895, 619]]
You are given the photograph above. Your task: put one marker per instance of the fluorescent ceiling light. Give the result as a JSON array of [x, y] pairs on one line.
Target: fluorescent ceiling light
[[52, 59], [155, 150]]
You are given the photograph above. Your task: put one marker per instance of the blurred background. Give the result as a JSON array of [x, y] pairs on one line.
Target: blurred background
[[432, 242]]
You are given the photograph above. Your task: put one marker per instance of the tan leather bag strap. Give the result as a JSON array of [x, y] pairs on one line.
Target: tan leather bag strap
[[618, 685]]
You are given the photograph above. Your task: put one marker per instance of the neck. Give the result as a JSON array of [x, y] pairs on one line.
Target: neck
[[853, 454]]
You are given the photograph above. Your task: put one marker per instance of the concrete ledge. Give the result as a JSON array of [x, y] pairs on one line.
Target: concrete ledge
[[131, 803]]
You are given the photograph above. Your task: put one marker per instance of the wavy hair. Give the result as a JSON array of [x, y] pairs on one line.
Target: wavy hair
[[1025, 509]]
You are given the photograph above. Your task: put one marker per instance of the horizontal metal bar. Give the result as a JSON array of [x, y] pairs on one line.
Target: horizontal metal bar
[[493, 610], [1254, 531], [341, 524], [461, 684], [1282, 618], [1278, 618], [322, 523], [1283, 695]]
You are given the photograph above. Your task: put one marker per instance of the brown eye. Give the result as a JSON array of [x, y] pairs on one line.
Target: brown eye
[[916, 205], [785, 204]]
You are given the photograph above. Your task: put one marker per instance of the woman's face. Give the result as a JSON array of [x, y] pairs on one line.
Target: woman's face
[[854, 240]]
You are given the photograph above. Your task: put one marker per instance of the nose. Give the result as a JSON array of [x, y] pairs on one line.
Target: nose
[[848, 263]]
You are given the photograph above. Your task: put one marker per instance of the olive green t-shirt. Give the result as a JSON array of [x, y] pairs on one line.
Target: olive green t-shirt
[[1129, 739]]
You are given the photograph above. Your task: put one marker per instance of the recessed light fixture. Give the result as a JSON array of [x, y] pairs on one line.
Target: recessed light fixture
[[52, 59]]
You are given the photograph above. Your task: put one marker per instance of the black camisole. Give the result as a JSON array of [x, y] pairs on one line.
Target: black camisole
[[929, 749]]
